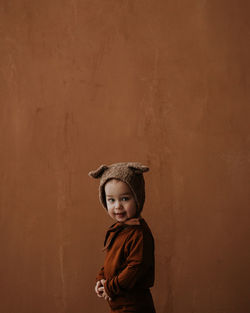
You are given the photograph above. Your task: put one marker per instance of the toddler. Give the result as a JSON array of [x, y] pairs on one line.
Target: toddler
[[128, 271]]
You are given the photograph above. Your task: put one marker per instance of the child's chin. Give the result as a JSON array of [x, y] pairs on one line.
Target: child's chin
[[121, 218]]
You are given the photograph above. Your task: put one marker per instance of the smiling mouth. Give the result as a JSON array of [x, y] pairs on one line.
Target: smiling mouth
[[120, 214]]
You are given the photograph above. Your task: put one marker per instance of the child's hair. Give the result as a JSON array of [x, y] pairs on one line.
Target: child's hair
[[130, 173]]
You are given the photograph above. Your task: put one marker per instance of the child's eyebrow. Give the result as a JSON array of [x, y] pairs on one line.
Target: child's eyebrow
[[122, 194]]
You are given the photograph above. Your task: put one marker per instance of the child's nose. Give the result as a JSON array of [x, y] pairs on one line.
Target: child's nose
[[118, 205]]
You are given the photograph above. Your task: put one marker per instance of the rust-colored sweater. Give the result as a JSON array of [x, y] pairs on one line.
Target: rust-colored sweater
[[129, 267]]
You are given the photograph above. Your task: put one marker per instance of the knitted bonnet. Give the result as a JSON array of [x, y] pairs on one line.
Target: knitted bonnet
[[130, 173]]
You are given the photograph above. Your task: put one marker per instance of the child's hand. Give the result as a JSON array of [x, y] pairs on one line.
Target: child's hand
[[97, 289], [102, 290]]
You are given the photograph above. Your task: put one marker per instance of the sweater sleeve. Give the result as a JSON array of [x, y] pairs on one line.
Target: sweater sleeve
[[100, 274], [136, 266]]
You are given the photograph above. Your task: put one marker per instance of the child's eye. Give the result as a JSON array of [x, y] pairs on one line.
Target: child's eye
[[110, 200], [125, 198]]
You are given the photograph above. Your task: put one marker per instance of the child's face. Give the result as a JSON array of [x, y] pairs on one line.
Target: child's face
[[120, 201]]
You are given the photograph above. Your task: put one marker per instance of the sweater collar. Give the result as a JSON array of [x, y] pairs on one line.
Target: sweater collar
[[116, 228]]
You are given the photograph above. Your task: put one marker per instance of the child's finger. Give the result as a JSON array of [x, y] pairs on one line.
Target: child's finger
[[97, 285], [106, 297]]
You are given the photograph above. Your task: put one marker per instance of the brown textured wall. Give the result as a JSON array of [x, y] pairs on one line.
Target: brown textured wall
[[90, 82]]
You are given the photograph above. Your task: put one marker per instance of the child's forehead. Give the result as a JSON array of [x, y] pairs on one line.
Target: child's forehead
[[116, 186]]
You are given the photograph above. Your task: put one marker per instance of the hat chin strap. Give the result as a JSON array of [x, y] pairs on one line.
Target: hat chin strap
[[138, 213]]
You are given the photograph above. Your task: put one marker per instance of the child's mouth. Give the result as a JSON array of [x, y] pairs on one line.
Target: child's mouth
[[120, 214]]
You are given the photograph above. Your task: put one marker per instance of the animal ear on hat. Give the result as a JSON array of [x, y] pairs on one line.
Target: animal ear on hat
[[138, 168], [98, 173]]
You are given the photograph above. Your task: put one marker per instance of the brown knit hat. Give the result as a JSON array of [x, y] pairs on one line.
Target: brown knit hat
[[130, 173]]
